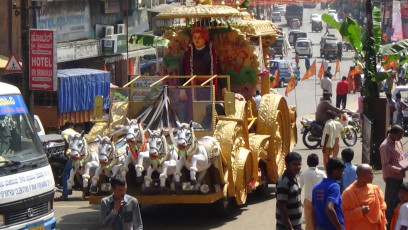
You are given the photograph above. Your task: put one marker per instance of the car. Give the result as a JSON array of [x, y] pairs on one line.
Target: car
[[314, 17], [294, 35], [284, 70], [332, 11], [304, 47], [281, 9], [278, 47], [295, 24], [309, 5], [276, 16]]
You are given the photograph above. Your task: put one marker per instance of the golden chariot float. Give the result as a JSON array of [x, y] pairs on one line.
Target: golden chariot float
[[248, 145]]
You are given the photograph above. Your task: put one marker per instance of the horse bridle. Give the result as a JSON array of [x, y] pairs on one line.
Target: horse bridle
[[80, 151], [108, 155], [138, 136], [161, 146], [188, 140]]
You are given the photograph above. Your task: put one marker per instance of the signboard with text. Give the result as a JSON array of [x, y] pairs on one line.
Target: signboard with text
[[43, 60]]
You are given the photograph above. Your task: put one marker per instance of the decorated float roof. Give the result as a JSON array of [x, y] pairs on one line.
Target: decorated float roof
[[256, 28], [199, 11]]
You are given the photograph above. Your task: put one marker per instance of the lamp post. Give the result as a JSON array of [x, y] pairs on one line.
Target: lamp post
[[25, 49]]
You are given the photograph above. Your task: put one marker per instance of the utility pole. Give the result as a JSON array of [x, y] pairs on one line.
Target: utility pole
[[25, 49]]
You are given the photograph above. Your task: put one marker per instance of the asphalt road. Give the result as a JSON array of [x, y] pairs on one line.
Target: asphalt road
[[259, 212]]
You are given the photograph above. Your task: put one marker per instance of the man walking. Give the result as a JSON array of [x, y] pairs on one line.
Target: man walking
[[120, 211], [393, 174], [326, 199], [342, 90], [288, 198], [307, 180], [66, 134], [363, 203], [326, 83]]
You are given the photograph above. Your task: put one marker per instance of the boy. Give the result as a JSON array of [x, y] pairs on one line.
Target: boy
[[330, 137], [349, 175], [309, 179], [119, 210], [327, 213], [400, 218], [289, 205]]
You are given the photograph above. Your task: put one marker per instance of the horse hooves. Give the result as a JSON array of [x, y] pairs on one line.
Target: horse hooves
[[139, 179], [193, 182], [179, 188], [86, 190], [164, 190], [93, 189], [69, 191]]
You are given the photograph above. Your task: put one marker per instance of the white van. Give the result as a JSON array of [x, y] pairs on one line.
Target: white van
[[304, 47], [276, 17], [26, 179]]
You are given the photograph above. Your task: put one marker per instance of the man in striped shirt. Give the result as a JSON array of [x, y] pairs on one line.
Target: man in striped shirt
[[393, 174], [289, 205]]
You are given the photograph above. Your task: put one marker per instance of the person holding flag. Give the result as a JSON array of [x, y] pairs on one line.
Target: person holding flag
[[337, 67], [291, 83], [275, 81]]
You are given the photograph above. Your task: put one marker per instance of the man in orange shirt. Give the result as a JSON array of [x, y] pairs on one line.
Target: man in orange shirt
[[363, 203]]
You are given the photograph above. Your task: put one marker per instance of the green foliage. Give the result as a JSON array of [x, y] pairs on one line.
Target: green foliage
[[353, 33], [171, 62], [331, 21], [380, 76], [377, 28], [395, 48], [248, 75]]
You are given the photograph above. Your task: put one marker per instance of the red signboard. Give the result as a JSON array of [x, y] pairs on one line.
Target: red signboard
[[43, 60]]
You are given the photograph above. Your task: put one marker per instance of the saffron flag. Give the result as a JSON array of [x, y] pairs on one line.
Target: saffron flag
[[131, 69], [310, 72], [356, 70], [337, 67], [291, 84], [275, 82], [321, 71]]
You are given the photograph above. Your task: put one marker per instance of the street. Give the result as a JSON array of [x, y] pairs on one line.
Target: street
[[259, 212]]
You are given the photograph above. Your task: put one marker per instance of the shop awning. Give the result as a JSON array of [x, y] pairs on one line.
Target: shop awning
[[131, 54]]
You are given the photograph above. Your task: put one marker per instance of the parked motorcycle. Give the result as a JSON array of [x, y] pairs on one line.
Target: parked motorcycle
[[312, 133], [55, 155]]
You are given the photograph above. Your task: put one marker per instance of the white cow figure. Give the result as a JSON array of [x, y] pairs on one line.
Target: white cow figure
[[110, 159], [197, 155], [83, 160], [138, 149]]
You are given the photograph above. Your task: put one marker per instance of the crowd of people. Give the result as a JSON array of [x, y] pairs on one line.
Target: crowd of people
[[343, 196]]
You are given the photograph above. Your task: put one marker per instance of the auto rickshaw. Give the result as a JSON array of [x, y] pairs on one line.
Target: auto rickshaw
[[317, 25], [330, 50]]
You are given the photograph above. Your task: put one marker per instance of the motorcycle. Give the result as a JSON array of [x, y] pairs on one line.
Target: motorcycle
[[55, 154], [312, 132]]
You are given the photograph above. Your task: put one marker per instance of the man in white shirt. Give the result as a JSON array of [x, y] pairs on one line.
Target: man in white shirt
[[309, 179], [326, 83], [330, 137], [257, 98]]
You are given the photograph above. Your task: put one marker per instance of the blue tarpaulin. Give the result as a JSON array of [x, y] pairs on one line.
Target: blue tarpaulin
[[77, 89]]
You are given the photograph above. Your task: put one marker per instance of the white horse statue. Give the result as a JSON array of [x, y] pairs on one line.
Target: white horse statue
[[83, 160], [138, 148], [110, 159], [197, 155], [157, 154]]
